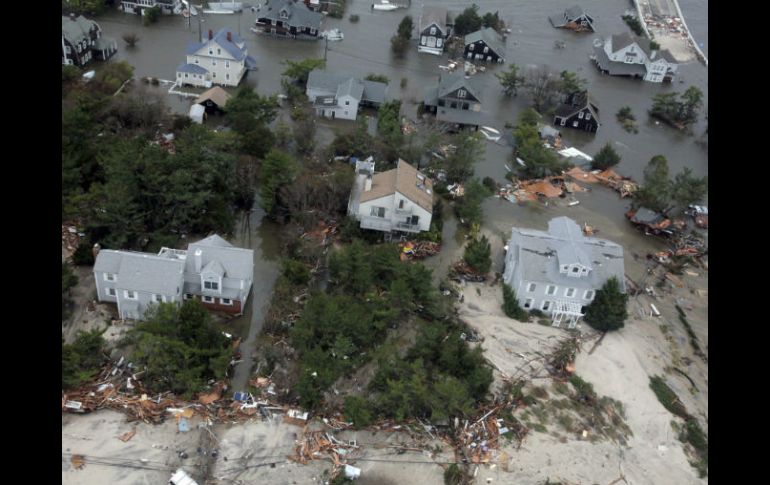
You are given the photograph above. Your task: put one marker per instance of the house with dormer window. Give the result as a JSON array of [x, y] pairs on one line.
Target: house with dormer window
[[211, 270], [82, 41], [559, 271], [631, 56], [222, 59], [573, 18], [485, 45], [289, 18], [579, 111], [433, 30], [456, 101]]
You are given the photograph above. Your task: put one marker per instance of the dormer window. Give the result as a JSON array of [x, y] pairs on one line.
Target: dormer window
[[284, 14], [109, 277], [211, 285], [433, 31], [461, 93], [575, 269]]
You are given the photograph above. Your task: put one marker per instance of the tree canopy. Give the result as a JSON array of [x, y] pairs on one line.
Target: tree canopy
[[681, 112], [655, 193], [510, 80], [298, 71], [606, 158], [469, 21], [478, 255], [608, 311]]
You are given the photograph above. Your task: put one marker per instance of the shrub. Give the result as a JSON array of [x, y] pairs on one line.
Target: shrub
[[667, 397], [380, 78], [634, 23], [608, 309], [511, 305], [151, 15], [357, 410], [478, 255], [296, 272], [453, 475], [83, 255], [490, 184], [353, 18]]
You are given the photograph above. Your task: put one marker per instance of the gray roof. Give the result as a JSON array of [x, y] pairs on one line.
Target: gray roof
[[490, 37], [191, 68], [237, 263], [536, 256], [374, 91], [646, 216], [461, 116], [77, 29], [299, 14], [666, 54], [433, 15], [351, 87], [618, 68], [450, 82], [142, 271], [431, 96], [332, 82], [577, 102], [108, 261], [625, 39], [574, 12], [215, 267]]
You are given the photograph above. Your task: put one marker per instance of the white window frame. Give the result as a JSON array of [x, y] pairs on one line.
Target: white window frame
[[580, 115], [589, 294], [588, 116], [377, 210], [227, 64], [208, 299], [155, 298], [189, 296], [312, 31], [545, 306], [219, 51], [486, 49], [433, 31], [126, 292], [213, 62], [461, 93], [214, 74], [563, 121], [471, 46], [110, 277], [575, 124], [211, 51], [108, 290], [531, 287], [212, 283], [229, 301], [551, 290], [197, 61], [227, 76], [529, 303], [570, 292]]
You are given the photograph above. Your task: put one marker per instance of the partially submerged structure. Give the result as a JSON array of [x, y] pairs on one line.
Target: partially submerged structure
[[398, 200], [485, 45], [574, 18], [650, 221], [211, 270], [580, 111], [336, 95], [289, 18], [213, 100], [631, 56], [222, 59], [433, 30], [559, 271], [455, 101], [82, 41], [138, 7]]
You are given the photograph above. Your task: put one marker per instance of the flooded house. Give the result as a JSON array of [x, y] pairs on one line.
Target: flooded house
[[221, 59], [579, 111], [484, 45], [433, 29], [631, 56], [167, 7], [573, 18], [213, 100], [339, 96], [398, 200], [82, 41], [558, 271], [456, 101], [211, 270], [289, 18]]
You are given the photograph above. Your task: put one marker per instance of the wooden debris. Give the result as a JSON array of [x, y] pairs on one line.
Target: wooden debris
[[125, 437], [78, 461]]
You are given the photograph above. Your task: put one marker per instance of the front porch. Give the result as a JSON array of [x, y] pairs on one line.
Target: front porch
[[568, 312]]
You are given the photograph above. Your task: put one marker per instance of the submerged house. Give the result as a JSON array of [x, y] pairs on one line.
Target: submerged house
[[574, 18], [82, 41], [222, 59], [289, 18], [211, 270], [167, 7], [455, 101], [433, 30], [398, 200], [578, 111], [484, 45], [336, 95], [558, 271], [631, 56], [213, 100]]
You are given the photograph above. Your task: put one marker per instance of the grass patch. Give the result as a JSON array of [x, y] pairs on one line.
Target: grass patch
[[561, 388]]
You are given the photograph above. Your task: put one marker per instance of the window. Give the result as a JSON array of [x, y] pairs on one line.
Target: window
[[531, 287], [453, 105], [401, 204], [208, 299], [575, 269], [227, 76], [565, 268], [470, 47], [588, 295], [551, 290], [215, 75], [185, 75], [109, 277], [211, 52], [439, 41], [211, 285], [179, 74], [580, 115], [423, 40], [213, 62], [377, 212], [433, 31], [588, 116], [441, 102], [312, 31], [110, 291], [188, 296], [486, 49], [131, 295], [465, 106], [563, 121], [570, 292], [347, 103], [225, 301], [197, 61], [158, 298], [574, 123], [227, 64], [461, 93], [219, 51], [545, 306], [528, 303]]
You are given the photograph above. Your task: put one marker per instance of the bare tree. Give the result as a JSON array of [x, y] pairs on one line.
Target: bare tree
[[131, 39], [542, 86]]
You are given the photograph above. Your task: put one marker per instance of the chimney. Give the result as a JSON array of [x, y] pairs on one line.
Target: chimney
[[229, 36], [96, 249], [198, 260], [368, 183], [211, 34]]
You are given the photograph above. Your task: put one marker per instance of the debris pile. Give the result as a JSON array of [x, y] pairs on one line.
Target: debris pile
[[318, 445], [480, 441], [623, 185], [461, 271], [418, 249], [70, 237]]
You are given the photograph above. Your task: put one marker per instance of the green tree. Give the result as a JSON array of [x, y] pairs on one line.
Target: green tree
[[510, 80], [112, 76], [298, 71], [278, 169], [608, 309], [459, 165], [389, 129], [539, 161], [86, 7], [468, 21], [357, 410], [130, 38], [692, 100], [405, 27], [494, 21], [469, 208], [380, 78], [655, 194], [569, 83], [249, 114], [151, 15], [511, 306], [399, 46], [478, 255], [687, 189], [606, 158], [82, 359]]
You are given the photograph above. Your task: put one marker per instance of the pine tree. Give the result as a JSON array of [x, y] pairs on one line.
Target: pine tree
[[608, 309]]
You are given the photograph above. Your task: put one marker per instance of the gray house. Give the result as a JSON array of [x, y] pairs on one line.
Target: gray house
[[433, 30], [558, 271], [485, 45], [456, 101], [337, 95], [574, 18], [289, 18], [82, 40], [216, 272]]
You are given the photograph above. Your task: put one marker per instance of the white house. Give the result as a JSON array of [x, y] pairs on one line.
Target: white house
[[558, 271], [167, 7], [337, 95], [433, 30], [399, 200], [628, 55], [222, 59]]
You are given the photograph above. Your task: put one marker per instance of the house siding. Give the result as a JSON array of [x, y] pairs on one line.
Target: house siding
[[432, 43], [217, 306], [475, 51], [591, 125], [393, 214]]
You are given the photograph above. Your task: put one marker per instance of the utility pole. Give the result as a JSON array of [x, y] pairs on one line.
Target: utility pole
[[326, 47]]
